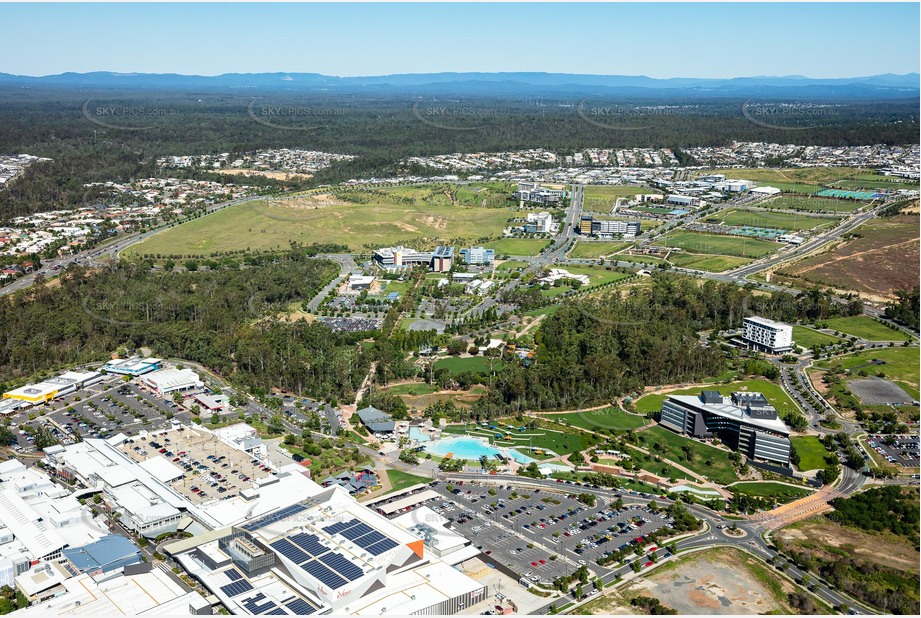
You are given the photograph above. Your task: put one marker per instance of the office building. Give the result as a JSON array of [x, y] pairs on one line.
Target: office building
[[535, 193], [478, 255], [395, 258], [767, 335], [683, 200], [605, 228], [745, 422]]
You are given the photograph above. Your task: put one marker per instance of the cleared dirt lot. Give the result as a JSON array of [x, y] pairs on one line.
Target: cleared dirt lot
[[712, 582]]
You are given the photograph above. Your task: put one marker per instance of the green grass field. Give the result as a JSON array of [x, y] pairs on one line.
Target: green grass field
[[478, 364], [606, 194], [901, 364], [548, 310], [709, 263], [865, 327], [518, 246], [597, 275], [772, 220], [419, 388], [306, 219], [719, 245], [807, 337], [606, 418], [812, 453], [649, 463], [401, 480], [706, 460], [774, 393], [822, 204], [779, 491], [597, 249], [640, 259]]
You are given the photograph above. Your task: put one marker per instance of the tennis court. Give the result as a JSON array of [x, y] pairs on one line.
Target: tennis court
[[849, 195]]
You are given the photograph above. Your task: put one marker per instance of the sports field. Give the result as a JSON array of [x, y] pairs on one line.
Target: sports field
[[384, 219], [697, 242], [816, 204], [518, 246], [477, 364], [812, 453], [596, 249], [773, 220], [709, 263], [866, 328]]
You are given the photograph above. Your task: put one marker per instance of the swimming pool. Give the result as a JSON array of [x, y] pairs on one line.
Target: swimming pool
[[472, 448], [416, 434]]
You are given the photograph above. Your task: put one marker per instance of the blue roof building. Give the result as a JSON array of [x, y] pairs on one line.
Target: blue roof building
[[107, 554]]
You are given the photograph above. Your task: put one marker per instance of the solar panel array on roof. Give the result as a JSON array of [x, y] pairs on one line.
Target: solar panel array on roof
[[300, 607], [339, 526], [380, 547], [310, 543], [271, 518], [323, 573], [238, 587], [287, 549], [363, 535], [341, 565], [278, 611], [359, 529], [256, 606], [233, 574]]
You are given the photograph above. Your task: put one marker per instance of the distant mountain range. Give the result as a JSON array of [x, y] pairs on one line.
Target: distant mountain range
[[479, 84]]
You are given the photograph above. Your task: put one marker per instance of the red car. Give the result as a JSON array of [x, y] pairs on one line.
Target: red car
[[542, 561], [534, 564], [649, 564]]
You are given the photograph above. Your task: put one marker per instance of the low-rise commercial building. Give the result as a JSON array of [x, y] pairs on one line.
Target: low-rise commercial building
[[534, 192], [167, 381], [478, 255], [47, 390], [438, 260], [132, 366]]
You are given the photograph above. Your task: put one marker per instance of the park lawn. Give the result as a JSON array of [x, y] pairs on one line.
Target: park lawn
[[671, 446], [259, 225], [802, 175], [709, 263], [597, 275], [606, 418], [738, 246], [650, 260], [806, 337], [771, 220], [511, 266], [518, 246], [477, 364], [865, 327], [417, 388], [559, 442], [812, 453], [770, 489], [394, 286], [774, 393], [548, 310], [400, 480], [819, 204], [901, 364], [596, 249], [614, 191], [557, 290], [796, 187], [661, 468]]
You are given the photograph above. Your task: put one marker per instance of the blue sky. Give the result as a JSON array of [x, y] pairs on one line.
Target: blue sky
[[658, 40]]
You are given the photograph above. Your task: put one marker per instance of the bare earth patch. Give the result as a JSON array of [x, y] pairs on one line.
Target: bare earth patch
[[713, 582]]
